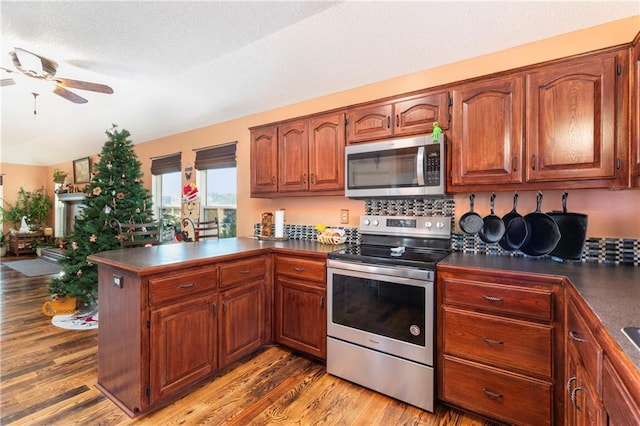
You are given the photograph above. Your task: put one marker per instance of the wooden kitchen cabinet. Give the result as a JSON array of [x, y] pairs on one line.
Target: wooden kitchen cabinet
[[264, 161], [620, 406], [398, 117], [243, 314], [300, 304], [500, 345], [552, 126], [488, 132], [635, 111], [309, 157]]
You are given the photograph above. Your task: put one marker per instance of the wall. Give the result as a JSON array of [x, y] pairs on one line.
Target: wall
[[611, 213], [30, 178]]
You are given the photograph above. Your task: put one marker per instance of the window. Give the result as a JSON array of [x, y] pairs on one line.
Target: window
[[167, 191], [217, 181]]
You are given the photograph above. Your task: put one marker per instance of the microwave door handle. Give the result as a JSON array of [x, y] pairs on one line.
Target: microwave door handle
[[420, 166]]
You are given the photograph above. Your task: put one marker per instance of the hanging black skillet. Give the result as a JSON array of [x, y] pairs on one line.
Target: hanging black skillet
[[516, 228], [492, 226], [471, 222], [544, 233], [573, 232]]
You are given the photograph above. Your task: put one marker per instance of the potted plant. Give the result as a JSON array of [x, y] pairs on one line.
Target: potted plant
[[59, 176], [34, 205], [3, 247]]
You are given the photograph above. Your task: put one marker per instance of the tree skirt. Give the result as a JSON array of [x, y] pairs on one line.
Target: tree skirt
[[81, 321]]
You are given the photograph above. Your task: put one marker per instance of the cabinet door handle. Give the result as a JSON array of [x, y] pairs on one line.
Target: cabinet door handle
[[224, 308], [214, 308], [321, 302], [273, 180], [245, 271], [189, 285], [492, 342], [574, 397], [388, 121], [571, 380], [397, 120], [304, 178], [575, 337], [533, 162], [515, 163], [491, 394], [493, 298], [312, 178]]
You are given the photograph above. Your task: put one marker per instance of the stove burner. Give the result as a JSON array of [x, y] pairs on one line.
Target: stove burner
[[422, 258]]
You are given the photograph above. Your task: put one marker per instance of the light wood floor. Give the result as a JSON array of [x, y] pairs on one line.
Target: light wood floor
[[48, 377]]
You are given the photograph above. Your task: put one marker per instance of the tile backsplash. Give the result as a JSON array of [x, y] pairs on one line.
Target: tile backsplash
[[618, 251]]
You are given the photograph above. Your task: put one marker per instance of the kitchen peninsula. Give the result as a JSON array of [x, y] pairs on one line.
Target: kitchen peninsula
[[172, 315]]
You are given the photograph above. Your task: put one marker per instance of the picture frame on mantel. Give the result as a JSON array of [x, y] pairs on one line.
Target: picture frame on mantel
[[82, 170]]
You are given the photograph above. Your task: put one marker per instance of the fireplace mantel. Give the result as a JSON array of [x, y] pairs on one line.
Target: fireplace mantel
[[71, 197]]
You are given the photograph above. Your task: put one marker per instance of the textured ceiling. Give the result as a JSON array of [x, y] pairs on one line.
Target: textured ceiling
[[176, 66]]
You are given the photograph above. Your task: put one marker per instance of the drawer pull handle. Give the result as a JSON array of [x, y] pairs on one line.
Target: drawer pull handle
[[298, 269], [491, 394], [575, 337], [493, 298], [492, 342], [245, 271], [186, 285]]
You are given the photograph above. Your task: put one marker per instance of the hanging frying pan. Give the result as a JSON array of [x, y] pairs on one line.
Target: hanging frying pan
[[471, 222], [516, 228], [543, 232], [492, 226], [573, 232]]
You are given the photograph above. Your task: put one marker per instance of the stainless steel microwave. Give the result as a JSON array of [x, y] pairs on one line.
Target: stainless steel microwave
[[399, 168]]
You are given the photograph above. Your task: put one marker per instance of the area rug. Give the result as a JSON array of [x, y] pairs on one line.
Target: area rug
[[34, 267], [81, 321]]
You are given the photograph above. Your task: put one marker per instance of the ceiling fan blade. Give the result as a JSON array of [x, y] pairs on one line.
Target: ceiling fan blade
[[29, 62], [7, 82], [7, 70], [69, 95], [84, 85]]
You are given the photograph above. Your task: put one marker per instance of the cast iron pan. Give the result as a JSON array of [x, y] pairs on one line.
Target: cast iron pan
[[471, 222], [573, 231], [492, 226], [544, 233], [516, 228]]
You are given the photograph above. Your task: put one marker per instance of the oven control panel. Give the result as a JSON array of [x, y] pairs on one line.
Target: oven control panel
[[418, 226]]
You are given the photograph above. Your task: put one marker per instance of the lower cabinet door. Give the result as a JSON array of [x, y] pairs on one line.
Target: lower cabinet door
[[510, 397], [301, 317], [241, 323], [183, 345]]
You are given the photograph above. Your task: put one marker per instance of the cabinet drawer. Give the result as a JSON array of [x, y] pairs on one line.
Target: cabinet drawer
[[508, 343], [580, 338], [241, 271], [495, 393], [306, 269], [177, 286], [501, 298]]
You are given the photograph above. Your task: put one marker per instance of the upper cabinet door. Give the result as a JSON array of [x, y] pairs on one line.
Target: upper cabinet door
[[293, 157], [418, 115], [264, 160], [571, 127], [488, 132], [369, 123], [326, 152]]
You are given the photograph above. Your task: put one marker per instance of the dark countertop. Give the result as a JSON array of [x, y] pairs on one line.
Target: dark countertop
[[611, 291], [147, 260]]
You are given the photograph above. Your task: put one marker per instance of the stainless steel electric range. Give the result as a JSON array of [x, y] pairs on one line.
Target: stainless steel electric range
[[380, 294]]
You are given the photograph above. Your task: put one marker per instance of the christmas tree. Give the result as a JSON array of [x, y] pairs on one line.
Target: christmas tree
[[115, 192]]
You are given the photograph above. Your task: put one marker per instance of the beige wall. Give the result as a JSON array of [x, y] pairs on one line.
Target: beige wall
[[611, 213]]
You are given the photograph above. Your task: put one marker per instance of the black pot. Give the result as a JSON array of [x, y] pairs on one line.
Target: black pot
[[544, 233], [516, 228], [492, 226], [573, 232], [471, 222]]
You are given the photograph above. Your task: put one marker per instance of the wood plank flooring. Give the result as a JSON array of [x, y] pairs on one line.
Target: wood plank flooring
[[48, 376]]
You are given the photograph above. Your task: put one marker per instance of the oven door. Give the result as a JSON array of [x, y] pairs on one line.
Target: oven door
[[369, 306]]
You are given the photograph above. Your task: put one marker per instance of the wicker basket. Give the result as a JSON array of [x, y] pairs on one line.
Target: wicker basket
[[331, 239]]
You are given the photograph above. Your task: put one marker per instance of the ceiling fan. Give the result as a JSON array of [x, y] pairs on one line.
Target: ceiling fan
[[41, 68]]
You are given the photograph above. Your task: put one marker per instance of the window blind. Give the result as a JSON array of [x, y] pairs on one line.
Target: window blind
[[166, 164], [217, 157]]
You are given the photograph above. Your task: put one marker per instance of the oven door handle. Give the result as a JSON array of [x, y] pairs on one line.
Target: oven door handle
[[420, 166]]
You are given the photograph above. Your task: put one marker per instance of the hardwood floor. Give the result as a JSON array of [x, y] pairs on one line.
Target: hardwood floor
[[48, 376]]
